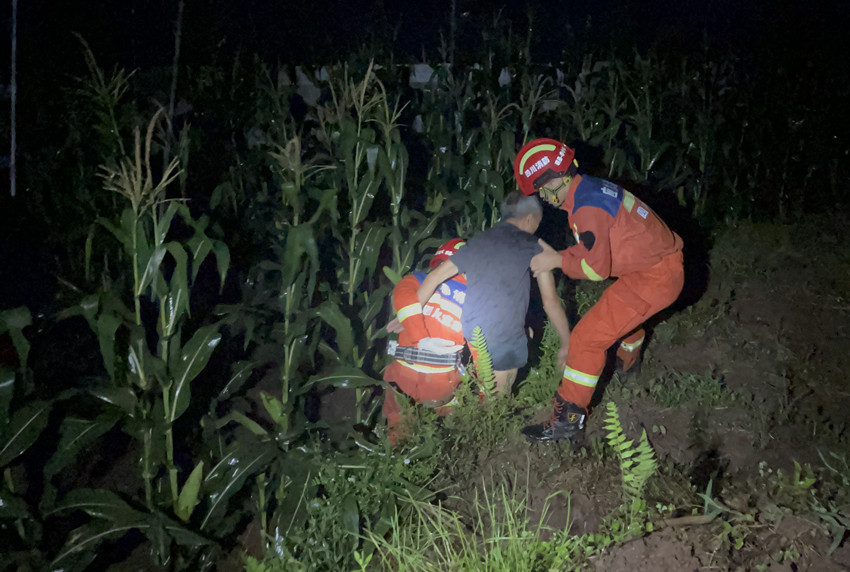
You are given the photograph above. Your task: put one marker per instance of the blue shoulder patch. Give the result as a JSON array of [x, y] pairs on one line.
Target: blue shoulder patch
[[451, 288], [599, 193]]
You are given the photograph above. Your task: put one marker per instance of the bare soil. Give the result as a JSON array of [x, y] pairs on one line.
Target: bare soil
[[772, 328]]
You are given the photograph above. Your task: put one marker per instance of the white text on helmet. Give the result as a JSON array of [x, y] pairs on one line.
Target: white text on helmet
[[560, 158], [536, 166]]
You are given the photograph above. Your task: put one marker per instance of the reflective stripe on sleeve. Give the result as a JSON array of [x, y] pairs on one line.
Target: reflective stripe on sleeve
[[628, 201], [589, 272], [580, 378], [633, 346], [408, 311]]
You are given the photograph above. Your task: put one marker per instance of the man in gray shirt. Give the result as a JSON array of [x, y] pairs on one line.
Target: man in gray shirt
[[496, 265]]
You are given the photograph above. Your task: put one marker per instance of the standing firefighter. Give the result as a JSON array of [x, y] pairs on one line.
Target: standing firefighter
[[427, 354], [617, 235]]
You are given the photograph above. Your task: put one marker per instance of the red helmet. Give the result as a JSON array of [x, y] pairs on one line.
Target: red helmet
[[444, 252], [539, 161]]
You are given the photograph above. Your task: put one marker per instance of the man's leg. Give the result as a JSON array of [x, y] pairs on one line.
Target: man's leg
[[504, 379]]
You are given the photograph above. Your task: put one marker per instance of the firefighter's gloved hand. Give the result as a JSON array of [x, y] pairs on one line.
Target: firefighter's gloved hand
[[395, 327], [438, 345]]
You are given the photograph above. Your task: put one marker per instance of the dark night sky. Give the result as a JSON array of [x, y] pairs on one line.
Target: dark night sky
[[139, 33]]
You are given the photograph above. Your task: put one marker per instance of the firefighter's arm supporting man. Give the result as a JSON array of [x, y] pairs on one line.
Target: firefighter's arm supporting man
[[436, 277], [554, 311], [546, 283], [588, 259]]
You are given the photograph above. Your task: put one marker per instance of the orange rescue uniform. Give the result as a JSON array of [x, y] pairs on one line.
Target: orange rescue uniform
[[617, 235], [430, 385]]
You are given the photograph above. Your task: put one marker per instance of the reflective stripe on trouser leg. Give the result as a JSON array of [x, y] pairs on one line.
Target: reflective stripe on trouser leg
[[629, 349], [577, 387]]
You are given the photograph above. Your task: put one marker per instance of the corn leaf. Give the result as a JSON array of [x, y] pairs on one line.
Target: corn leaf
[[177, 299], [7, 391], [229, 474], [188, 497], [14, 321], [299, 241], [342, 377], [26, 425], [199, 246], [99, 503], [367, 248], [222, 260], [239, 373], [106, 326], [164, 221], [333, 316], [243, 420], [393, 276], [179, 533], [193, 359], [151, 266], [121, 397], [79, 549], [11, 506], [118, 232], [75, 434]]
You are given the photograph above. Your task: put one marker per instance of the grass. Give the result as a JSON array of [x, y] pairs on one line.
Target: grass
[[496, 533]]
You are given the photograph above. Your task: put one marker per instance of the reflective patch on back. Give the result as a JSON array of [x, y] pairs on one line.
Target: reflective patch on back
[[599, 193]]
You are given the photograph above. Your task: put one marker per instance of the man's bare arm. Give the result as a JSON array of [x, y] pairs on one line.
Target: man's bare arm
[[554, 311], [436, 277]]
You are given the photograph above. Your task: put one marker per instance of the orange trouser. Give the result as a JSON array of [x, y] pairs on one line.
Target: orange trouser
[[429, 389], [618, 316]]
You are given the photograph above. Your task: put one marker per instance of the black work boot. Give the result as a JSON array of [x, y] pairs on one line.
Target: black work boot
[[566, 422], [630, 374]]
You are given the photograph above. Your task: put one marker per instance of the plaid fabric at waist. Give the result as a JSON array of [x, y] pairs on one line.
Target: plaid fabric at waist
[[415, 355]]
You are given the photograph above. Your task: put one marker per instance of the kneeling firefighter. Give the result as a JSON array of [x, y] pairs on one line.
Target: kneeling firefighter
[[427, 355]]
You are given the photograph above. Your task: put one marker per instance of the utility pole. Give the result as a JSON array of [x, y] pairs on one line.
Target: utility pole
[[13, 89]]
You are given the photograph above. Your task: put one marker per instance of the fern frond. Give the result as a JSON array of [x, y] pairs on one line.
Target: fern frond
[[483, 361], [542, 381], [637, 462]]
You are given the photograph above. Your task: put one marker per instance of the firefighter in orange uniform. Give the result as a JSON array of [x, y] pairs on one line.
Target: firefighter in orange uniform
[[427, 355], [617, 235]]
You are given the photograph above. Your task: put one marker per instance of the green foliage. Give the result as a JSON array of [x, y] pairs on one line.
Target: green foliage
[[588, 293], [637, 462], [23, 419], [483, 362], [357, 493], [324, 215], [145, 391], [477, 426], [678, 388], [637, 465], [495, 533], [821, 492], [542, 381]]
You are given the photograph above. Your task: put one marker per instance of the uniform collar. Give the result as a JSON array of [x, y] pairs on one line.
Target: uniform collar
[[568, 203]]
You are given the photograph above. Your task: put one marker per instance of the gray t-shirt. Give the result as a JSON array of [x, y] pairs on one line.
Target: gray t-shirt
[[498, 282]]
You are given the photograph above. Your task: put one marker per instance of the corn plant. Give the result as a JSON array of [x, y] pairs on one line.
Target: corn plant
[[22, 421], [147, 390]]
